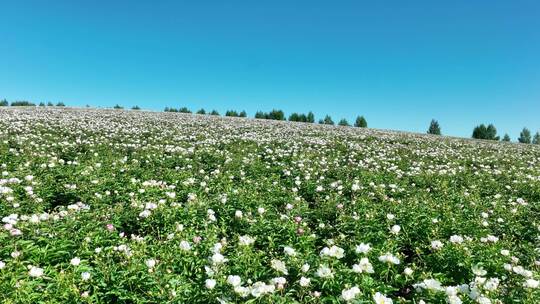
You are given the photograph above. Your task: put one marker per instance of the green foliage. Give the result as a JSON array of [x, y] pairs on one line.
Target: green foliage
[[4, 103], [360, 122], [41, 104], [536, 138], [483, 132], [434, 128], [343, 122], [60, 104], [231, 113], [201, 112], [135, 108], [214, 113], [310, 117], [506, 138], [326, 121], [22, 103], [242, 114], [118, 107], [273, 115], [106, 206], [525, 136]]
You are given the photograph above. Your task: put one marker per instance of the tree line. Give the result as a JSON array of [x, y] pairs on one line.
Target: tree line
[[24, 103], [275, 114], [481, 131], [489, 132]]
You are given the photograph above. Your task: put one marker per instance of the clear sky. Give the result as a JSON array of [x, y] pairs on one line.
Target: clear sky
[[399, 63]]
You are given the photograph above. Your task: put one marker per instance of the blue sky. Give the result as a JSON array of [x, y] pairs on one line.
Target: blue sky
[[398, 63]]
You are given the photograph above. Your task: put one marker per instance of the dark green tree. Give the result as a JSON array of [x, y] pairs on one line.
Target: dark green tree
[[201, 111], [214, 113], [50, 104], [536, 138], [479, 132], [231, 113], [343, 122], [310, 117], [492, 132], [506, 137], [294, 117], [360, 122], [22, 103], [60, 104], [483, 132], [242, 114], [327, 120], [136, 108], [42, 104], [434, 128], [184, 110], [525, 136], [4, 103], [276, 115], [118, 107]]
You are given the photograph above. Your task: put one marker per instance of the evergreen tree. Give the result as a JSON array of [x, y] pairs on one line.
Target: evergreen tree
[[60, 104], [525, 136], [201, 111], [50, 104], [231, 113], [42, 104], [310, 117], [214, 113], [483, 132], [536, 138], [506, 138], [276, 115], [480, 132], [184, 110], [242, 114], [22, 103], [343, 122], [260, 115], [118, 107], [492, 132], [360, 122], [293, 117], [4, 103], [136, 108], [327, 120], [434, 128]]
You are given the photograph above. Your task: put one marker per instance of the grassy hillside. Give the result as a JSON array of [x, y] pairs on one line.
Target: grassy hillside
[[111, 206]]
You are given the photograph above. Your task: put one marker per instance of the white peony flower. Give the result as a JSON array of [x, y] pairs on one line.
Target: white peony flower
[[85, 276], [349, 294], [363, 266], [304, 282], [35, 272], [210, 283], [324, 272], [279, 266], [379, 298], [234, 280], [363, 248]]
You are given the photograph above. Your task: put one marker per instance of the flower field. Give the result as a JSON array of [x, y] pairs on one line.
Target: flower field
[[105, 206]]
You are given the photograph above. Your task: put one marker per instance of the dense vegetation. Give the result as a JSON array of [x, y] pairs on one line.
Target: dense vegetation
[[113, 206], [479, 132]]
